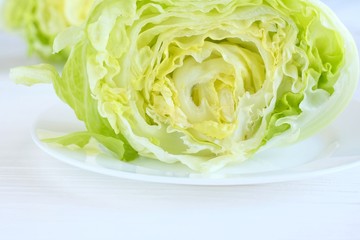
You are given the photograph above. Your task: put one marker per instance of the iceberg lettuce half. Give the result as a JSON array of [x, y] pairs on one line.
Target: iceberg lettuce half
[[204, 83]]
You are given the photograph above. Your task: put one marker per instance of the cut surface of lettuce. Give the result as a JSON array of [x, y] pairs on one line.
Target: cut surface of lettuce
[[207, 83]]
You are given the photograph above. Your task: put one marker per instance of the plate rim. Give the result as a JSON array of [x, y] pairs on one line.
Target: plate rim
[[275, 176]]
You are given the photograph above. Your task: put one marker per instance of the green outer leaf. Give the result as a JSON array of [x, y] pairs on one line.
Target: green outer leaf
[[78, 96], [81, 139]]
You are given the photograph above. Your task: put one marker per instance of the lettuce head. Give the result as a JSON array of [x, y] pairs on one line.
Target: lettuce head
[[204, 83], [41, 20]]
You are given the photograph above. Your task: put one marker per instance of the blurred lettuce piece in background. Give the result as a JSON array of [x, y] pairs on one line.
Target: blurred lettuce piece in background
[[39, 21]]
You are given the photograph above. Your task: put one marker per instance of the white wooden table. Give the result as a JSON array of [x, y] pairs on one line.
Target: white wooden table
[[42, 198]]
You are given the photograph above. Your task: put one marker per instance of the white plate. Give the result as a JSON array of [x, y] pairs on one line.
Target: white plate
[[335, 148]]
